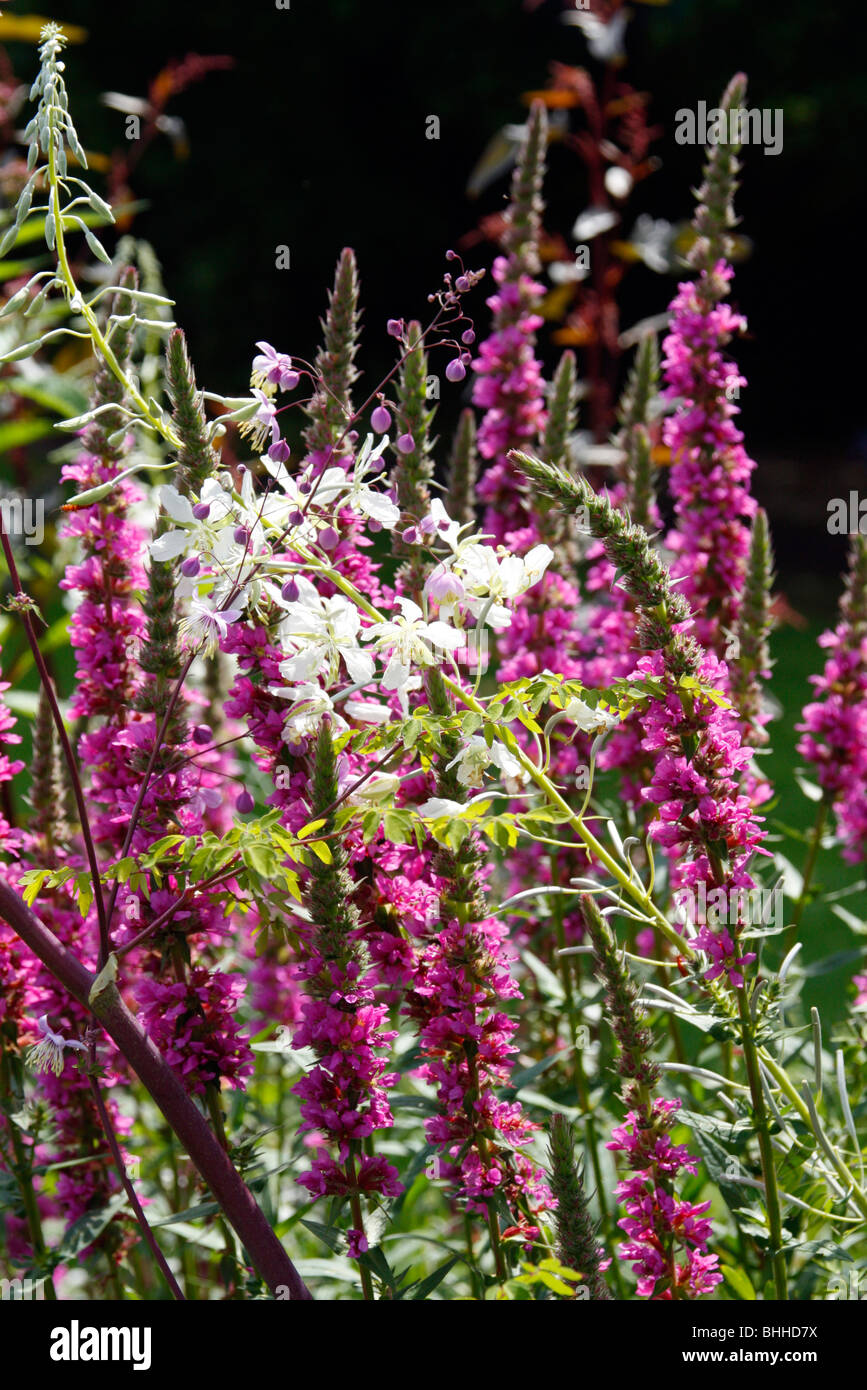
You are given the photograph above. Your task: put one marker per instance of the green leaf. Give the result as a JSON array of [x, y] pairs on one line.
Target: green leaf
[[310, 828], [740, 1282], [262, 859], [551, 1282], [427, 1286], [85, 1230], [14, 433], [322, 850], [52, 391], [548, 982], [34, 879]]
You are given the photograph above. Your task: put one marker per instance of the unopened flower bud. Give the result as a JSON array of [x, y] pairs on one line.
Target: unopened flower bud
[[201, 511], [245, 803], [456, 371], [444, 586], [380, 419], [191, 566], [279, 451], [406, 444]]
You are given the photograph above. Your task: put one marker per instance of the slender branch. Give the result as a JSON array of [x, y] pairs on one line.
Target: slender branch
[[187, 1121]]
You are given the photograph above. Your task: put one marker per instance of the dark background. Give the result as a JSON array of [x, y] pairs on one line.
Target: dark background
[[316, 139]]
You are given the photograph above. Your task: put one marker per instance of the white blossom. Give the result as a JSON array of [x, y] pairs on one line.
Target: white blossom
[[476, 757], [209, 538], [413, 642], [322, 630]]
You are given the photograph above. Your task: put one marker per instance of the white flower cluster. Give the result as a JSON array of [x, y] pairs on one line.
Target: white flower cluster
[[232, 547]]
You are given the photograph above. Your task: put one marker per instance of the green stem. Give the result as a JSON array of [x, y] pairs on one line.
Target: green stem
[[766, 1148], [809, 867], [88, 315], [358, 1223]]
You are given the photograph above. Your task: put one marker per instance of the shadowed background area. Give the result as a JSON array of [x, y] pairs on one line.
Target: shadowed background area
[[316, 139]]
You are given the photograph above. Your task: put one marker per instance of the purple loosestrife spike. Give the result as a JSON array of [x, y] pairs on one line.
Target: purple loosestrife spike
[[834, 725], [413, 470], [714, 215], [552, 525], [345, 1094], [562, 412], [197, 459], [331, 405], [710, 472], [508, 384], [661, 1227], [624, 1012], [642, 384], [160, 656], [628, 547], [461, 976], [106, 387], [577, 1243], [47, 792], [463, 470], [634, 417], [751, 664], [524, 215]]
